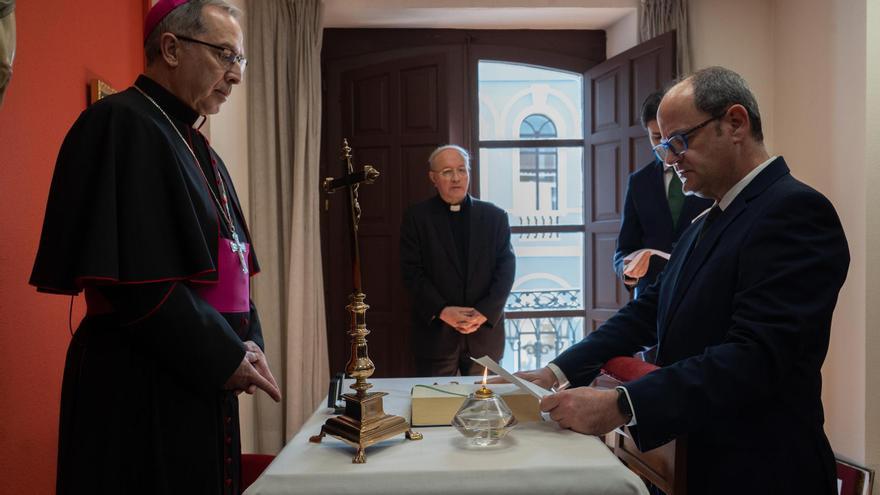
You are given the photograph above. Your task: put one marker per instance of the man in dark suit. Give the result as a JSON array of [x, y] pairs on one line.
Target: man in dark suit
[[656, 211], [458, 264], [742, 313]]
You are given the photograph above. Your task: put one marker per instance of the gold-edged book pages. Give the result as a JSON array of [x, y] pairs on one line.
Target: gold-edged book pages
[[435, 405]]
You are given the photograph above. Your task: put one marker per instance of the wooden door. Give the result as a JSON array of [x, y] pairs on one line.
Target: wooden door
[[394, 112], [615, 146]]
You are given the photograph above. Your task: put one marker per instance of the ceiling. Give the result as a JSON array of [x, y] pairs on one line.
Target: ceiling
[[477, 14]]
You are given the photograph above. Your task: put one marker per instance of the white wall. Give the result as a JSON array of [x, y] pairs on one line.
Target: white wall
[[820, 106], [738, 35], [622, 35], [806, 63], [476, 14], [872, 244]]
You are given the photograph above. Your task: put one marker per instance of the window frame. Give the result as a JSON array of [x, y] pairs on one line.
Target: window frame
[[556, 63]]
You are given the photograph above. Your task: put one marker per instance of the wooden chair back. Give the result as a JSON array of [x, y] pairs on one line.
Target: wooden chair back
[[665, 467]]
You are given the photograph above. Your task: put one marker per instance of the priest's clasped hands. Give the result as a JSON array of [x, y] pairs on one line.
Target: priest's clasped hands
[[462, 319], [253, 372]]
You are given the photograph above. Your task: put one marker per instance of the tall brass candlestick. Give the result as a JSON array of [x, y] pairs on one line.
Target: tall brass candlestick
[[364, 421]]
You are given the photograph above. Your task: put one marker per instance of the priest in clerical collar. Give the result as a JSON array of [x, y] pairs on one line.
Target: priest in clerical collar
[[458, 265], [143, 218]]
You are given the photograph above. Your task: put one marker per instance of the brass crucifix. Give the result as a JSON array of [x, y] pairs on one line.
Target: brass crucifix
[[365, 421]]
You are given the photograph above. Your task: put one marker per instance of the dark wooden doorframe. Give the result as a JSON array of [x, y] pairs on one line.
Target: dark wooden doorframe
[[349, 51], [633, 75], [615, 145], [377, 103]]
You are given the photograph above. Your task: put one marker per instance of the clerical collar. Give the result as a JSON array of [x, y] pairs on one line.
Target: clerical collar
[[172, 105], [463, 206]]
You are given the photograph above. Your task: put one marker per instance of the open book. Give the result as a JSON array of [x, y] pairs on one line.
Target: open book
[[636, 263]]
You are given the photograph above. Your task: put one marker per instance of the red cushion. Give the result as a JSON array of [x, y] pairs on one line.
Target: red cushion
[[252, 466], [627, 369], [853, 479]]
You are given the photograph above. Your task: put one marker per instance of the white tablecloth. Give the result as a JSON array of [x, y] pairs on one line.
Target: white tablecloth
[[535, 458]]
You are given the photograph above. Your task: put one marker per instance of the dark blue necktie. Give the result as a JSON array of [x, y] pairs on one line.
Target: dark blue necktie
[[713, 214]]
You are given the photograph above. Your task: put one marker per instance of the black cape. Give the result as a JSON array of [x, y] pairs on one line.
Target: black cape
[[127, 203], [130, 217]]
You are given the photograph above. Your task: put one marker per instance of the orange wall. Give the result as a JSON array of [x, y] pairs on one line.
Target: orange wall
[[61, 45]]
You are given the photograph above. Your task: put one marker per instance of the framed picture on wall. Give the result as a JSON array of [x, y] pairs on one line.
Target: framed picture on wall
[[99, 89]]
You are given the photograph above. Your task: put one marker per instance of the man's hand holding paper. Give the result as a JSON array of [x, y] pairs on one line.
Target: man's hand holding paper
[[585, 410], [542, 377], [637, 263]]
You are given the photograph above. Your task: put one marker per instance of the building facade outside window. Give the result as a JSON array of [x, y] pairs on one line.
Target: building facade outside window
[[531, 164], [538, 165]]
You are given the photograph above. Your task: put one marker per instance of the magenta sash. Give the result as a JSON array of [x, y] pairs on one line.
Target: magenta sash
[[231, 293]]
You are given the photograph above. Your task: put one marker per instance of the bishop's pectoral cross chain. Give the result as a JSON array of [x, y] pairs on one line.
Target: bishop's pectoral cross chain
[[235, 244]]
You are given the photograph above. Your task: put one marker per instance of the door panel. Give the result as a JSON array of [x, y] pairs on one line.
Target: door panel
[[394, 112], [615, 146], [605, 89], [419, 91], [605, 193], [640, 150], [604, 295], [370, 104]]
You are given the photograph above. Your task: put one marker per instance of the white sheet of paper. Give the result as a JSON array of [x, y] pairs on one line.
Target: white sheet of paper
[[525, 385]]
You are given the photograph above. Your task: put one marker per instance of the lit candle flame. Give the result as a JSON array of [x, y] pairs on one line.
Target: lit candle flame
[[485, 375]]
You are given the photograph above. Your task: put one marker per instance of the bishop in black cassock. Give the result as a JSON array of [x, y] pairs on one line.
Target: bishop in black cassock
[[142, 216]]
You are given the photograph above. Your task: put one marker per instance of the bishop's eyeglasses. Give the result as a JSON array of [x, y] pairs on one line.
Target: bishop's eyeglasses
[[226, 55], [671, 149]]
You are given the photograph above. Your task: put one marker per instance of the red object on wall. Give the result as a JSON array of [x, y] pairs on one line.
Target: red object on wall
[[61, 45]]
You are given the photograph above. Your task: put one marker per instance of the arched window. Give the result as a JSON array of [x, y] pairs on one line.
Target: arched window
[[540, 165], [537, 126]]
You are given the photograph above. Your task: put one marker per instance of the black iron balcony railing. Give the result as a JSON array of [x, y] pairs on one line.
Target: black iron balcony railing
[[543, 299], [535, 335], [538, 221]]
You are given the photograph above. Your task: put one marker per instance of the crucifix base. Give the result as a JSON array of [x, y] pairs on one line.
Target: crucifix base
[[365, 423]]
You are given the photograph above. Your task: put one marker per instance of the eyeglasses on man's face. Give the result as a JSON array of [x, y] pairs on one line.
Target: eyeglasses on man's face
[[449, 173], [672, 148], [227, 56]]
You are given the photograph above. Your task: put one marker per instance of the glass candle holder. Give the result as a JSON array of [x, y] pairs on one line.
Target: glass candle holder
[[484, 418]]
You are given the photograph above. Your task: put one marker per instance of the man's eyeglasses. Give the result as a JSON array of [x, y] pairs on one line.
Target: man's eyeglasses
[[449, 173], [228, 56], [672, 148]]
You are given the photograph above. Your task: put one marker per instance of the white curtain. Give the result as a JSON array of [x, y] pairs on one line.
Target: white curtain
[[661, 16], [284, 131]]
